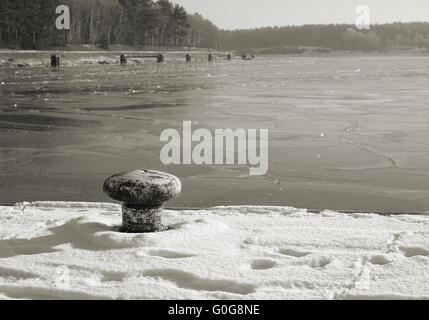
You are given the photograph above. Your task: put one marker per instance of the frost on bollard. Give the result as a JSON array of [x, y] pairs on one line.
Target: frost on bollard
[[143, 194]]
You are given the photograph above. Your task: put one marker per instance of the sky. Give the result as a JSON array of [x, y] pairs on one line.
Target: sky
[[244, 14]]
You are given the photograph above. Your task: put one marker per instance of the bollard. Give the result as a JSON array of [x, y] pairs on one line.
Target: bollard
[[160, 58], [123, 59], [188, 58], [143, 194], [210, 57], [228, 57]]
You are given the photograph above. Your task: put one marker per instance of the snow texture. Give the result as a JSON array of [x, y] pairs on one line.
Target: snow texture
[[60, 250]]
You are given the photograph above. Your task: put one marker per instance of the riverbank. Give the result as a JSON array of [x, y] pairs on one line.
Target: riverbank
[[305, 51]]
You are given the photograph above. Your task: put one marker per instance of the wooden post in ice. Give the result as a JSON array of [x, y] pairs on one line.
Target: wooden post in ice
[[143, 194], [55, 62]]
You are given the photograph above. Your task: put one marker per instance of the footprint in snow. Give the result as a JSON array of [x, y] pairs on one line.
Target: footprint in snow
[[168, 254], [414, 251], [293, 252], [114, 276], [379, 260], [263, 264]]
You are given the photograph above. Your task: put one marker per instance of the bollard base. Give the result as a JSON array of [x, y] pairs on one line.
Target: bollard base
[[126, 229], [142, 220]]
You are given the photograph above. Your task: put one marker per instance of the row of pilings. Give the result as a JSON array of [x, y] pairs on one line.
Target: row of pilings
[[123, 59], [188, 57]]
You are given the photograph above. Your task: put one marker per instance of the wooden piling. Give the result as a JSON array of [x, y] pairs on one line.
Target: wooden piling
[[55, 62]]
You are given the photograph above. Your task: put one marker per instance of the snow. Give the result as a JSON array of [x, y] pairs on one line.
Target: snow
[[61, 250]]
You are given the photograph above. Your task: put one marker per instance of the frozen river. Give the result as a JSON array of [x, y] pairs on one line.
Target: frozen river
[[346, 133]]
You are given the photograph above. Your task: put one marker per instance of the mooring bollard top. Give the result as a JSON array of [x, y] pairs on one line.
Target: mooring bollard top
[[143, 187]]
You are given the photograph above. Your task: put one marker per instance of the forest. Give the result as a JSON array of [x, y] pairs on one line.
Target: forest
[[334, 37], [30, 24]]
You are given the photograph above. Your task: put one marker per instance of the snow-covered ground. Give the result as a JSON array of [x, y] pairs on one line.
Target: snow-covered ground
[[54, 250]]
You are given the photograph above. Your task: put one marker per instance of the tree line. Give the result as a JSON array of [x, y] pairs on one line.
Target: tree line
[[30, 24], [336, 37]]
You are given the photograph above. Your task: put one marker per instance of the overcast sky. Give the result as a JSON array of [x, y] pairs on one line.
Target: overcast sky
[[233, 14]]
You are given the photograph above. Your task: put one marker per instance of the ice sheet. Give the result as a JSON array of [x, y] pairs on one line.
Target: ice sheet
[[339, 139]]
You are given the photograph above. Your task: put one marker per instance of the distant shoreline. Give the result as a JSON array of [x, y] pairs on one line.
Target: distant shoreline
[[293, 51], [113, 48]]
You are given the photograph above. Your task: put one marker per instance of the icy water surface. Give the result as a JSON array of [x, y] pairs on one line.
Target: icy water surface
[[346, 133]]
